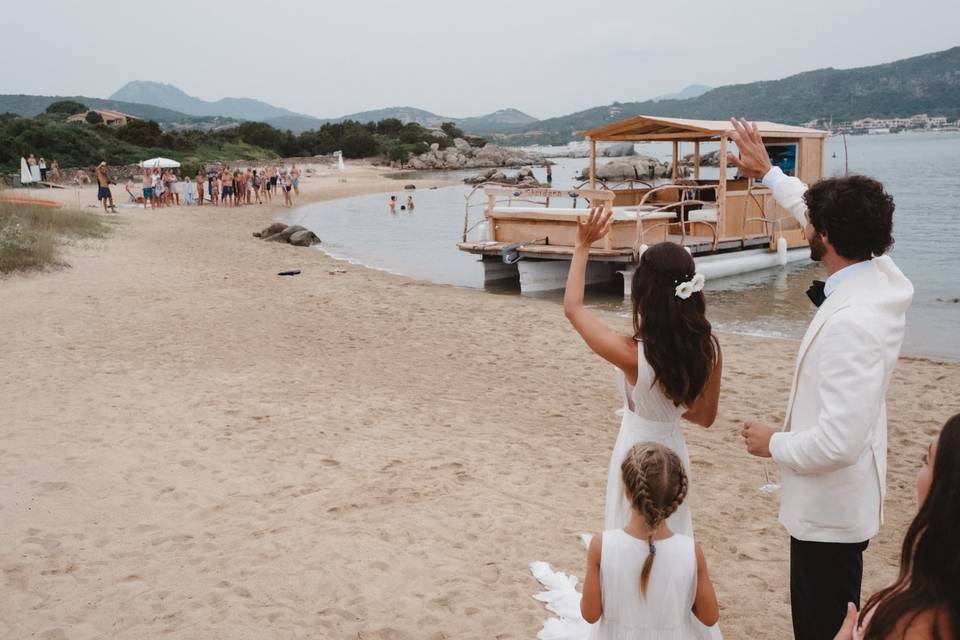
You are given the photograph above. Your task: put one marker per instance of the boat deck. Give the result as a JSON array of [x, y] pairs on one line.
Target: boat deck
[[699, 245]]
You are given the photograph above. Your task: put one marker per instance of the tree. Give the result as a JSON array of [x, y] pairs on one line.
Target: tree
[[93, 117], [451, 130], [143, 133], [67, 107]]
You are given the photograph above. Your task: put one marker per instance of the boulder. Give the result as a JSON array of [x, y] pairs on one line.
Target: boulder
[[305, 238], [633, 168], [711, 159], [273, 229], [461, 144], [434, 146], [409, 186], [284, 236]]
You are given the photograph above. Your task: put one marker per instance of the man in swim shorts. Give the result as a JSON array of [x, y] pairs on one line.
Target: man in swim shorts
[[103, 187]]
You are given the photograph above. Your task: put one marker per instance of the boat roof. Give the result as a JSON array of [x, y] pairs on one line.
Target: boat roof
[[658, 128]]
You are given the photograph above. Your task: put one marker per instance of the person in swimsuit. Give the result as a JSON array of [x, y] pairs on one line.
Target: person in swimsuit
[[147, 188], [295, 174], [103, 187], [200, 182]]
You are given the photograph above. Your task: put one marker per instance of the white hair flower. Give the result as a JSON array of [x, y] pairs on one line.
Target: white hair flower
[[689, 287]]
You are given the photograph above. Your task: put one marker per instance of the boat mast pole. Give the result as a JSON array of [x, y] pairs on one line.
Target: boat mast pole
[[722, 187], [593, 163], [696, 160]]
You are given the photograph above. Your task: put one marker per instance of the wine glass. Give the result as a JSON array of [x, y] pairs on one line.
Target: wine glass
[[769, 486]]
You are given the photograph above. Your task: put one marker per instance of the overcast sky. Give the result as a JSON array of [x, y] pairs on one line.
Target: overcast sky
[[450, 57]]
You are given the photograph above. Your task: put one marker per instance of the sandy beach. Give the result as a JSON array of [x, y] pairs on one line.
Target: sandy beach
[[194, 447]]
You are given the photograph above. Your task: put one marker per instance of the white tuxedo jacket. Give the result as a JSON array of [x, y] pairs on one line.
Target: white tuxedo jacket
[[833, 448]]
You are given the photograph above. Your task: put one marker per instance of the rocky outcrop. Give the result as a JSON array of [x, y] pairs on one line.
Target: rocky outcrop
[[581, 149], [463, 155], [293, 234], [523, 178], [711, 159], [633, 168]]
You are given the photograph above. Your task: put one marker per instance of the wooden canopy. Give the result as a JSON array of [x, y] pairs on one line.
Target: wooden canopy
[[641, 128]]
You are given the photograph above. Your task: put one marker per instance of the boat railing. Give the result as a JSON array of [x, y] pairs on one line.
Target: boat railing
[[498, 194], [682, 204]]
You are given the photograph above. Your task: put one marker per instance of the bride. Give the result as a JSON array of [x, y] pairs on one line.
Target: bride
[[669, 369]]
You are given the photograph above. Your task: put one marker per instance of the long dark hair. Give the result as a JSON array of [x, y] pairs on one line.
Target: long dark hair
[[929, 579], [677, 338]]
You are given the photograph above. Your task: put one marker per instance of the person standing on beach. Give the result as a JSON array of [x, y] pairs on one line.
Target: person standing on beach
[[55, 170], [103, 187], [832, 450], [43, 169], [148, 189], [200, 185], [549, 173]]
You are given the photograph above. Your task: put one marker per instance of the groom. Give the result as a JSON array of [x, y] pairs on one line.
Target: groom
[[832, 450]]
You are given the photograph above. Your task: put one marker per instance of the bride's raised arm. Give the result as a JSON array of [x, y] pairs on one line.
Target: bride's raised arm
[[613, 347]]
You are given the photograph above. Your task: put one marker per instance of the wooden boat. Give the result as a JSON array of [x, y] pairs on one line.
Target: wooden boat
[[37, 202], [729, 224]]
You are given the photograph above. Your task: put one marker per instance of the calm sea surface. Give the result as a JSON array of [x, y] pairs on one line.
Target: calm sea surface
[[920, 170]]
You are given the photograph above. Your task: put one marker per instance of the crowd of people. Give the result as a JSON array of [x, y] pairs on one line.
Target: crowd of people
[[41, 172], [646, 577], [226, 186]]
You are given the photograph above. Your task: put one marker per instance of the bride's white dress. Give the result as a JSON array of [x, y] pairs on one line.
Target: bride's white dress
[[648, 416]]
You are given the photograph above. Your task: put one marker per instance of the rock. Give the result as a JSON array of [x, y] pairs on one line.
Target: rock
[[305, 238], [409, 186], [284, 236], [461, 144], [434, 146], [638, 167], [273, 229], [524, 173], [711, 159], [616, 150]]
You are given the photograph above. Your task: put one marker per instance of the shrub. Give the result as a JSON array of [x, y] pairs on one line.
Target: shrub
[[30, 235], [93, 117], [451, 130], [67, 107]]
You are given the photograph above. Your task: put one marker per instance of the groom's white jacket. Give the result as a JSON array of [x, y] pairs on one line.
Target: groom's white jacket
[[833, 448]]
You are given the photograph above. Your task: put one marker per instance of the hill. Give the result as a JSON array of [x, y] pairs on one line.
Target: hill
[[690, 91], [31, 105], [928, 84], [170, 97]]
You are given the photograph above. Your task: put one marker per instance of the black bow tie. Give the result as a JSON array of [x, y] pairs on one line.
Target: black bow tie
[[816, 293]]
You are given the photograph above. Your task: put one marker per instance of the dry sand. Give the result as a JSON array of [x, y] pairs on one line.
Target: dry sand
[[194, 447]]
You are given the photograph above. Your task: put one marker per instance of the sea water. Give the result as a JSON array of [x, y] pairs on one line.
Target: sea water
[[921, 171]]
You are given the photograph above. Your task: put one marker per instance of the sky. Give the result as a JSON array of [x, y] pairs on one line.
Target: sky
[[454, 58]]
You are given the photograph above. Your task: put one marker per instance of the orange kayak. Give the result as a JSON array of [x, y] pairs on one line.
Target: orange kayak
[[53, 204]]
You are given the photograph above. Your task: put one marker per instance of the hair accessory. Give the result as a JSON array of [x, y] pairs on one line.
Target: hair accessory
[[694, 285]]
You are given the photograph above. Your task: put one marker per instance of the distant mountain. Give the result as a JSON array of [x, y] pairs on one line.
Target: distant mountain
[[928, 84], [690, 91], [496, 121], [30, 105], [170, 97]]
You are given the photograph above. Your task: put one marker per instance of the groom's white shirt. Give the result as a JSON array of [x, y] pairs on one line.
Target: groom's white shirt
[[833, 448]]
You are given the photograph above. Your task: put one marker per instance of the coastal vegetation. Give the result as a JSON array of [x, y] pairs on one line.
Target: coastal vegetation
[[31, 236], [80, 144]]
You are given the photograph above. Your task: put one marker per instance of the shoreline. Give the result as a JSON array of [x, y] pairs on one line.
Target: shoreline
[[197, 447]]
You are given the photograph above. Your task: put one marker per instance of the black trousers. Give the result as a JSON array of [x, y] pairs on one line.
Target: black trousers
[[824, 577]]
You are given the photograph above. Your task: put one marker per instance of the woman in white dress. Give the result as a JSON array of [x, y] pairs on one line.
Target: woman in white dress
[[668, 369]]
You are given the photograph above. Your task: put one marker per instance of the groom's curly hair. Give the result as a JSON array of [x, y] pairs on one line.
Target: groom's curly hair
[[656, 482], [856, 214]]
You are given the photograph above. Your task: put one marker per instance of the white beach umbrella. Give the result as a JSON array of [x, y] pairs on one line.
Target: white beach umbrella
[[159, 163]]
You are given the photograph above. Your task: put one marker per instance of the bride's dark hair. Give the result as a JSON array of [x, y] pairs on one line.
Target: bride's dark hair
[[929, 562], [677, 338]]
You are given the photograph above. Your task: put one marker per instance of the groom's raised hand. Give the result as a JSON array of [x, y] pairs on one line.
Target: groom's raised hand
[[753, 161], [595, 226], [757, 436]]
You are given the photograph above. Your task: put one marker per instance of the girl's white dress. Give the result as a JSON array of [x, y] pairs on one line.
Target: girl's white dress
[[648, 416], [664, 614]]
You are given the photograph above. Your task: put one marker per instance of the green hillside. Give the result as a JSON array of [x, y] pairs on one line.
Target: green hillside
[[924, 84]]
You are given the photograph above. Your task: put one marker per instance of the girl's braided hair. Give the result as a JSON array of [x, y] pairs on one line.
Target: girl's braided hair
[[657, 484]]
